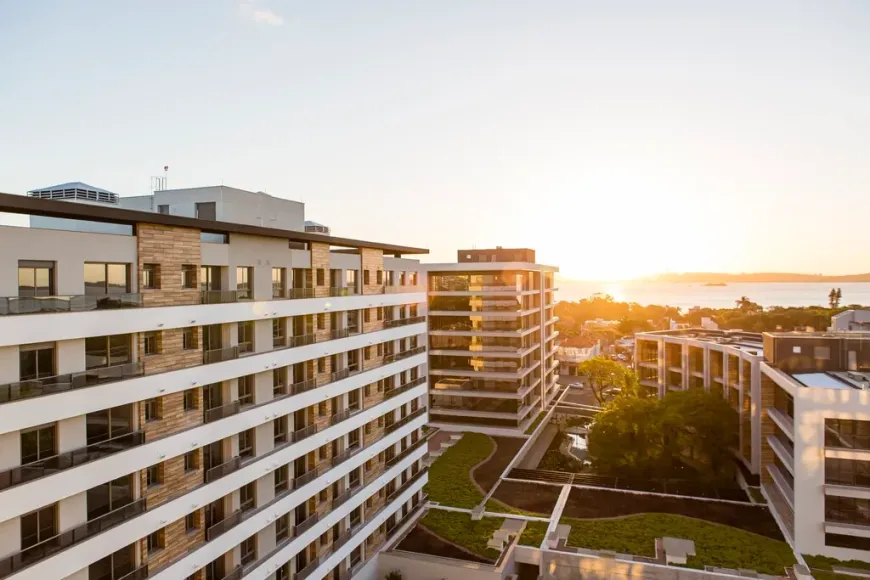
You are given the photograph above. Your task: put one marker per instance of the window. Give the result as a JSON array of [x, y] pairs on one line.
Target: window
[[154, 475], [323, 495], [321, 321], [367, 315], [191, 400], [279, 430], [244, 282], [412, 279], [206, 210], [36, 361], [163, 209], [844, 541], [321, 409], [852, 472], [796, 350], [191, 460], [282, 479], [380, 312], [152, 409], [109, 423], [282, 531], [822, 352], [380, 349], [38, 443], [210, 278], [189, 338], [245, 332], [279, 282], [279, 333], [102, 279], [321, 276], [246, 443], [191, 522], [249, 550], [247, 497], [321, 365], [847, 510], [390, 279], [849, 433], [367, 355], [366, 277], [188, 276], [246, 390], [156, 541], [324, 538], [379, 277], [150, 344], [38, 526], [35, 278], [150, 276], [322, 452], [107, 351]]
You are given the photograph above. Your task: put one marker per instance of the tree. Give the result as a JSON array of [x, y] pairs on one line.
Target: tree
[[603, 376], [746, 305], [834, 297], [703, 426], [625, 438]]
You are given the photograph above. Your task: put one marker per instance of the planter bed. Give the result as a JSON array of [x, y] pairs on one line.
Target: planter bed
[[450, 476], [422, 541], [528, 497], [488, 473], [458, 528], [594, 503]]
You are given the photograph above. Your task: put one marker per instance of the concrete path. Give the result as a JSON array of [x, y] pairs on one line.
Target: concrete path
[[534, 455]]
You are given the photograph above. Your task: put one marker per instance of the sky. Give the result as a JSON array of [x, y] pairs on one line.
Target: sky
[[618, 139]]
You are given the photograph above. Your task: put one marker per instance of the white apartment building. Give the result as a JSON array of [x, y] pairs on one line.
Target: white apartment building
[[491, 340], [192, 398], [804, 404]]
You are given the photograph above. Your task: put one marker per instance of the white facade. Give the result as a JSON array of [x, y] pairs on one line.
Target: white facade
[[175, 460], [850, 320]]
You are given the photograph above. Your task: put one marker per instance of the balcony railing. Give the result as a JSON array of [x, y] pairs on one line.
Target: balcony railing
[[308, 569], [216, 413], [404, 354], [296, 293], [69, 459], [393, 426], [236, 574], [339, 333], [247, 346], [403, 388], [219, 354], [303, 386], [46, 548], [304, 433], [416, 509], [341, 540], [305, 478], [77, 303], [406, 485], [302, 340], [306, 525], [398, 289], [57, 384], [223, 469], [339, 375], [405, 321], [339, 417], [394, 460], [140, 573], [348, 291], [222, 526], [219, 296]]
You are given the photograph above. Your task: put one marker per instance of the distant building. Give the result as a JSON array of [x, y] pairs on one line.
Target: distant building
[[599, 324], [491, 340], [851, 320], [573, 351]]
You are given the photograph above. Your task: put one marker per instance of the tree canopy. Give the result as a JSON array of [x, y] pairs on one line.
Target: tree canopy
[[657, 438], [606, 378]]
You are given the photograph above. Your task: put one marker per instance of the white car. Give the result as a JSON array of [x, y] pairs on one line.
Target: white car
[[575, 385]]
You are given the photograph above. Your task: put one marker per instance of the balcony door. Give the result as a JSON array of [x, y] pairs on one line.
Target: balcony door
[[35, 278]]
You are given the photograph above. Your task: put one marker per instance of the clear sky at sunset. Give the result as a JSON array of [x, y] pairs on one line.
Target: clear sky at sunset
[[618, 138]]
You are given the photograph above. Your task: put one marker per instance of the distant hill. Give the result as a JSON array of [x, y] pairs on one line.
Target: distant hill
[[762, 277]]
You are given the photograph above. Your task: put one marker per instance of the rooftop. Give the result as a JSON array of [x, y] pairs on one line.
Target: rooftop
[[835, 380], [736, 338], [37, 206]]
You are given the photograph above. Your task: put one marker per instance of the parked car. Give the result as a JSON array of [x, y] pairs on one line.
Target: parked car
[[575, 385]]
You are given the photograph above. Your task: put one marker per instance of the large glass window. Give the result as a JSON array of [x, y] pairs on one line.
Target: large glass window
[[35, 278], [246, 336], [38, 526], [244, 281], [36, 361], [847, 472], [114, 566], [849, 433], [108, 423], [279, 282], [847, 510], [210, 278], [109, 496], [101, 278], [107, 351], [39, 443]]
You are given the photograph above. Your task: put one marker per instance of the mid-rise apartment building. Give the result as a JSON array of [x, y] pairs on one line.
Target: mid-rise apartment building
[[804, 404], [187, 395], [491, 340]]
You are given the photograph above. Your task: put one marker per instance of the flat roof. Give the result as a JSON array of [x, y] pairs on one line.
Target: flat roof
[[738, 338], [22, 204], [821, 381], [460, 267]]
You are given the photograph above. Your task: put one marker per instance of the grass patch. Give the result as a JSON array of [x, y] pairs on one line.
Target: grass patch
[[531, 428], [450, 476], [533, 534], [458, 528], [493, 505], [715, 544], [822, 567]]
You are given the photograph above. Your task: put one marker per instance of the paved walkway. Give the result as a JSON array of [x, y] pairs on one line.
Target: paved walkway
[[534, 455]]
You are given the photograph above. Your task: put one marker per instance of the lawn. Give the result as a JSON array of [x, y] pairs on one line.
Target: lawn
[[531, 428], [457, 527], [715, 544], [534, 534], [450, 476], [822, 567]]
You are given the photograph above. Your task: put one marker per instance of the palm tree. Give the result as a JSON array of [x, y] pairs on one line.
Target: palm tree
[[834, 297]]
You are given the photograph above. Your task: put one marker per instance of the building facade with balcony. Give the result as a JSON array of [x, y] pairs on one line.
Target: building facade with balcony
[[804, 405], [188, 398], [723, 361], [492, 346]]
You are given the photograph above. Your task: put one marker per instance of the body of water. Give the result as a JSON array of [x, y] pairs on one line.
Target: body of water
[[686, 296]]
